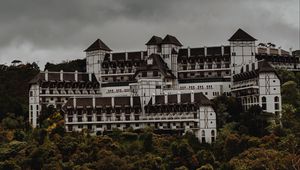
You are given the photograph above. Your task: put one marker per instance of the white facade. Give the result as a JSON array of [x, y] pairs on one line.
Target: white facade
[[156, 82]]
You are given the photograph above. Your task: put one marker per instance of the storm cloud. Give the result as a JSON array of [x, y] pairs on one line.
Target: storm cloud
[[57, 30]]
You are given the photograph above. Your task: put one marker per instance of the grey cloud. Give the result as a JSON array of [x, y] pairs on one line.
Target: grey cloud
[[55, 30]]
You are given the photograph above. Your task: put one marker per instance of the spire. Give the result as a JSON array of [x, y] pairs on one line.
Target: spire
[[155, 40], [98, 45], [241, 35], [169, 39]]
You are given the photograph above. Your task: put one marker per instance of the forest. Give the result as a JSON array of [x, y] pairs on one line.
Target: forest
[[246, 140]]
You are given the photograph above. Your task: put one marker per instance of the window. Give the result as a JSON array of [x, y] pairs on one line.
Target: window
[[203, 137], [31, 93], [264, 103], [144, 74], [276, 100]]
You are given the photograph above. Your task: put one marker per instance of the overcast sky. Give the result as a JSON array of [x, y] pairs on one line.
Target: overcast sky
[[57, 30]]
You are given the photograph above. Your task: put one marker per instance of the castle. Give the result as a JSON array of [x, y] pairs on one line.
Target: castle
[[166, 87]]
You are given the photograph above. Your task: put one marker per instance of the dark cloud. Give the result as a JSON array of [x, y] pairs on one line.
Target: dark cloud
[[56, 30]]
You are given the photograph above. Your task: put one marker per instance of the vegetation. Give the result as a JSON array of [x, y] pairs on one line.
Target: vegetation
[[68, 66], [249, 140]]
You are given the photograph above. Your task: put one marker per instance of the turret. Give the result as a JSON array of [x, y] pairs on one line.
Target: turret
[[242, 46], [154, 45], [169, 50], [95, 55]]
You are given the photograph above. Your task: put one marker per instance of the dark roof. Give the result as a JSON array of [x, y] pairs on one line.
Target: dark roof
[[118, 56], [241, 35], [199, 99], [174, 51], [98, 45], [169, 39], [159, 65], [55, 76], [263, 66], [155, 40], [199, 52]]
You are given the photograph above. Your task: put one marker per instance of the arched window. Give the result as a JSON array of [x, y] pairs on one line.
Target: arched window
[[212, 133], [213, 137], [276, 99]]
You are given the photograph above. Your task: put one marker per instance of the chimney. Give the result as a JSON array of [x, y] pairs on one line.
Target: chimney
[[46, 75], [205, 51], [192, 97], [112, 102], [90, 76], [74, 102], [178, 97], [94, 102], [222, 50], [189, 52], [61, 75], [126, 56], [166, 98], [279, 51], [153, 99], [76, 75], [131, 101]]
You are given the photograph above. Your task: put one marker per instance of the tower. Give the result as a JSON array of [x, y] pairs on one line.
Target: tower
[[154, 45], [169, 50], [95, 55], [242, 47]]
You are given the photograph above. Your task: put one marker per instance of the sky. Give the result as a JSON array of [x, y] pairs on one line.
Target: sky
[[59, 30]]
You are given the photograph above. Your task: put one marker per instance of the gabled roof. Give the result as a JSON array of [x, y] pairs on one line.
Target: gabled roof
[[174, 51], [264, 66], [241, 35], [169, 39], [98, 45], [155, 40], [158, 64]]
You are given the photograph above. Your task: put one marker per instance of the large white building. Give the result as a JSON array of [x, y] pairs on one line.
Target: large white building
[[165, 86]]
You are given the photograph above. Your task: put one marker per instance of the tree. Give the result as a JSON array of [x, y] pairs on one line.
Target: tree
[[290, 93]]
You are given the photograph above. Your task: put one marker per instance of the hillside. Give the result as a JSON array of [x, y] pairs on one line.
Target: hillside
[[246, 140]]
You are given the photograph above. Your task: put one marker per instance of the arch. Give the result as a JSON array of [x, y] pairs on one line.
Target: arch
[[264, 99], [212, 133], [203, 133], [276, 99]]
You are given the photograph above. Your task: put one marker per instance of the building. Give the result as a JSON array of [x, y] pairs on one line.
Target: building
[[165, 86]]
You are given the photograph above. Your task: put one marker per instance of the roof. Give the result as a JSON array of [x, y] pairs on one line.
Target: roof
[[157, 64], [103, 102], [263, 67], [199, 99], [241, 35], [169, 39], [67, 76], [155, 40], [98, 45]]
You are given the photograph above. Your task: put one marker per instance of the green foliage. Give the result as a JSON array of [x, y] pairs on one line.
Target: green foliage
[[68, 66], [245, 140], [14, 88]]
